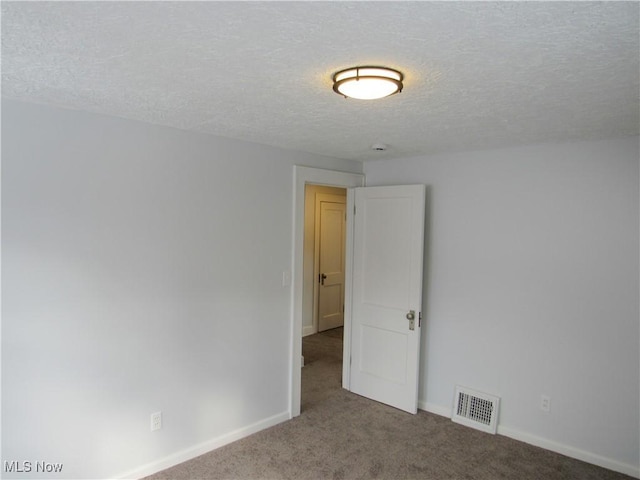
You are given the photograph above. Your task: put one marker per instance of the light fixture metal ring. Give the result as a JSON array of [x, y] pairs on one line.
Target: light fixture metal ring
[[382, 75]]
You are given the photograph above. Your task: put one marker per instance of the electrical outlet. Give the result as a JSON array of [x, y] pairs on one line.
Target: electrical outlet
[[156, 421], [545, 403]]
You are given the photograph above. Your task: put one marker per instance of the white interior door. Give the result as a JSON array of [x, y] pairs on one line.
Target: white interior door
[[330, 234], [388, 241]]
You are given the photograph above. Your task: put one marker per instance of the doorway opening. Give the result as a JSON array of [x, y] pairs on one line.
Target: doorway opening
[[302, 177], [382, 338], [323, 301]]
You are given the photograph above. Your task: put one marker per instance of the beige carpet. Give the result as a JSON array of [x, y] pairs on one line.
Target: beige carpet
[[343, 436]]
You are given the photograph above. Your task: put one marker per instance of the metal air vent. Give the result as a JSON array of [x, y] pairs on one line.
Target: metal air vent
[[476, 410]]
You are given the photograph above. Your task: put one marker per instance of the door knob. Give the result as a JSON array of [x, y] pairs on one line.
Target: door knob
[[323, 277], [411, 316]]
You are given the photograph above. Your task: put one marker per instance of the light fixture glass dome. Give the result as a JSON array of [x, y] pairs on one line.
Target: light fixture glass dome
[[367, 83]]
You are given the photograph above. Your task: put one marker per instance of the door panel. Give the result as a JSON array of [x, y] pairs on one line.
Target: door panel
[[387, 285], [384, 279], [375, 341]]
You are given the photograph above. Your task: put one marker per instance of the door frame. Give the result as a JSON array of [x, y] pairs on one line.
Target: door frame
[[331, 178]]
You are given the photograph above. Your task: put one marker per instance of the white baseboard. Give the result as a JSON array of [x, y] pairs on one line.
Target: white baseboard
[[437, 409], [308, 330], [197, 450], [600, 461], [569, 451]]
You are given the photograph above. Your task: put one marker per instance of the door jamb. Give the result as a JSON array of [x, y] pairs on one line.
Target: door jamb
[[333, 178]]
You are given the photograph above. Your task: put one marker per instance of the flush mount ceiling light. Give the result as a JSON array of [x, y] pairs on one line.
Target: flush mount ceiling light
[[367, 83]]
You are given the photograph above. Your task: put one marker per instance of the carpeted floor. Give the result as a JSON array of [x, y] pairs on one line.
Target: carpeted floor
[[340, 435]]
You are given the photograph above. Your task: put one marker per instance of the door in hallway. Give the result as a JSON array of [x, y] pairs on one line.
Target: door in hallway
[[330, 242]]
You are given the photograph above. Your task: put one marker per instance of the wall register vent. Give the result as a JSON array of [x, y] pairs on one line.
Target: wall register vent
[[476, 410]]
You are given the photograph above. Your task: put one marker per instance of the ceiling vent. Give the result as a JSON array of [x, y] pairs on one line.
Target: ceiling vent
[[476, 410]]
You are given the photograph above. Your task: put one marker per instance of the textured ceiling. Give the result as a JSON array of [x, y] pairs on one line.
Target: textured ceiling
[[478, 74]]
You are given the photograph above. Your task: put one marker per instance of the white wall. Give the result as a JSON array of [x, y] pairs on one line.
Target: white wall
[[141, 271], [532, 288], [142, 267]]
